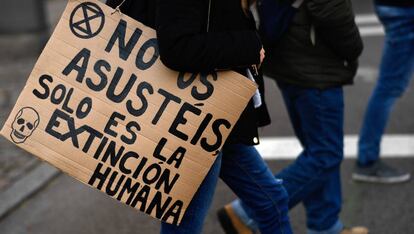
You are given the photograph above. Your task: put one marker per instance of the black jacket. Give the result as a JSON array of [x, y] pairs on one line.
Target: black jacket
[[327, 61], [185, 45]]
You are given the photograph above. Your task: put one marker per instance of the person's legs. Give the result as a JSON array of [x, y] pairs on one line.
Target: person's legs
[[317, 117], [264, 194], [396, 69], [193, 219], [395, 72], [331, 206], [314, 176], [240, 210]]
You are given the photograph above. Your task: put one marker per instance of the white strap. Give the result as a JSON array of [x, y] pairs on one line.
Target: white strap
[[257, 98]]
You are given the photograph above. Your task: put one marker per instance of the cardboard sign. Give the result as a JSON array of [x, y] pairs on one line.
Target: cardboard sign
[[100, 106]]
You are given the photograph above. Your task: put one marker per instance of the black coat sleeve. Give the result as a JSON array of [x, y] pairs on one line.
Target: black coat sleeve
[[115, 3], [334, 23], [185, 44], [112, 3]]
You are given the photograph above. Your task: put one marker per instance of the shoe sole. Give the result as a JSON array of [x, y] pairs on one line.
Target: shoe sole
[[225, 222], [374, 179], [231, 223], [355, 230]]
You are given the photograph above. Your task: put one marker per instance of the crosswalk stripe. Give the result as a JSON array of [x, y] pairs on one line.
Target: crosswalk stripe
[[369, 25], [289, 147], [366, 19], [371, 31]]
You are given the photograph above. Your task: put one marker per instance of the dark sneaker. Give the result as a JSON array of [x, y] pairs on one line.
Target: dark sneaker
[[231, 223], [379, 172], [355, 230]]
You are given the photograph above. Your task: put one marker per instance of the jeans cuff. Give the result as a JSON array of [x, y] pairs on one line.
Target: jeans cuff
[[241, 213], [334, 229]]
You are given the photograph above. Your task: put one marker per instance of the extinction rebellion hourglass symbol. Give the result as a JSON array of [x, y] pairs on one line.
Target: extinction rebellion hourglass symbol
[[87, 20]]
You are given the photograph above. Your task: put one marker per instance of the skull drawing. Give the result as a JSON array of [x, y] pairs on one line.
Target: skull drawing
[[25, 122]]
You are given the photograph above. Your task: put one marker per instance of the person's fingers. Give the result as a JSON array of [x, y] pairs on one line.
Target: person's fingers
[[245, 6]]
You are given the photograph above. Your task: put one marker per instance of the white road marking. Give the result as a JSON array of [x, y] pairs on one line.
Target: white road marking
[[289, 147], [369, 25], [367, 74], [367, 19], [368, 31]]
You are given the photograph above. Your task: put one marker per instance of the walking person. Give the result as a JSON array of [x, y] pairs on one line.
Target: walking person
[[395, 72], [203, 36], [311, 63]]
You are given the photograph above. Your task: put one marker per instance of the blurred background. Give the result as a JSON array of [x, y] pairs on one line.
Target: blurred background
[[36, 198]]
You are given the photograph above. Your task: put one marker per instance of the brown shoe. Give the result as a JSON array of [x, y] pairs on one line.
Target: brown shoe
[[231, 223], [355, 230]]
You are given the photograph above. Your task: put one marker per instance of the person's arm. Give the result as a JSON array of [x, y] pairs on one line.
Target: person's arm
[[334, 23], [185, 44]]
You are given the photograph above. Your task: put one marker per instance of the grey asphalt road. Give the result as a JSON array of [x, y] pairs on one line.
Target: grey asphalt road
[[66, 206]]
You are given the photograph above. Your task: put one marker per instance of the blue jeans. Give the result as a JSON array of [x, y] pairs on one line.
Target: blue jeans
[[314, 177], [396, 70], [245, 172]]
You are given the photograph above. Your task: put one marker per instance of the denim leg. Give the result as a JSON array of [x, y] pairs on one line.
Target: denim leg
[[193, 219], [294, 115], [315, 173], [335, 229], [317, 118], [245, 172], [396, 69], [331, 206]]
